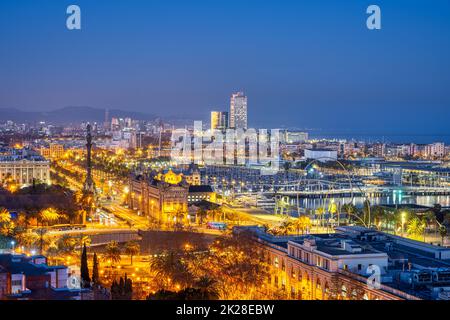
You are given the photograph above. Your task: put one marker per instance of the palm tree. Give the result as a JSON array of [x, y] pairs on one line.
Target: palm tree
[[218, 212], [320, 212], [201, 213], [6, 225], [390, 220], [132, 248], [207, 287], [415, 228], [84, 240], [23, 220], [349, 208], [52, 251], [66, 244], [44, 241], [298, 225], [442, 233], [49, 215], [302, 224], [306, 222], [28, 239], [179, 216], [367, 213], [401, 217], [286, 227], [378, 216], [112, 253], [170, 269], [5, 217]]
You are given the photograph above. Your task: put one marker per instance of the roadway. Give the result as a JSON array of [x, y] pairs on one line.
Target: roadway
[[131, 220]]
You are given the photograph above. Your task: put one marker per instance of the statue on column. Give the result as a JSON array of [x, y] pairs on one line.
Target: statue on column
[[89, 190]]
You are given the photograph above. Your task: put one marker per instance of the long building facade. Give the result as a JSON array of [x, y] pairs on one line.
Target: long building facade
[[338, 266], [23, 166], [159, 197]]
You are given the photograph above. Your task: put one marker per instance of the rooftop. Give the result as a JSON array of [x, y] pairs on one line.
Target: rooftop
[[24, 154], [22, 264], [200, 188], [413, 267]]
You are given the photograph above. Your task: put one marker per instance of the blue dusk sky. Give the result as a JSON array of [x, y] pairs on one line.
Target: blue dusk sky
[[305, 64]]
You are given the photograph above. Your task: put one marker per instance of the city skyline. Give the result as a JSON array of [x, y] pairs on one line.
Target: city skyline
[[227, 157], [296, 66]]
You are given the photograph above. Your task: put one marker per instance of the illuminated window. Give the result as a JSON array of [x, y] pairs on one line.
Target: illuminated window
[[344, 291]]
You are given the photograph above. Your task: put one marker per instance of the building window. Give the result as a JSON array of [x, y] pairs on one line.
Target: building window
[[327, 264], [318, 261], [344, 291], [16, 283], [291, 251]]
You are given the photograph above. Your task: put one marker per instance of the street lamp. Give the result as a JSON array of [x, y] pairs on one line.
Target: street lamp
[[13, 245]]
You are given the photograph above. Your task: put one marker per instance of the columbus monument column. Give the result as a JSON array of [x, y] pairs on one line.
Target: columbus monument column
[[89, 190]]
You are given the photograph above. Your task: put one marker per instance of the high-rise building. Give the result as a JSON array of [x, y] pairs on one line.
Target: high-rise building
[[434, 150], [295, 136], [54, 151], [219, 120], [106, 123], [379, 149], [238, 111]]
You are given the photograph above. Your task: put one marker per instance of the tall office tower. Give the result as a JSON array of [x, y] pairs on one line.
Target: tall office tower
[[238, 111], [219, 120], [107, 124]]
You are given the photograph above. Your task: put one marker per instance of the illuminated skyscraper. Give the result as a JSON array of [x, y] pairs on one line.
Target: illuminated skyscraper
[[238, 111], [106, 123], [219, 120]]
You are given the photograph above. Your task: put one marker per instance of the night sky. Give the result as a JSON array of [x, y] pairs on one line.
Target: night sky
[[306, 64]]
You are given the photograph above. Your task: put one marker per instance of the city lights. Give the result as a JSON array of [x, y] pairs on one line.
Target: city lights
[[223, 152]]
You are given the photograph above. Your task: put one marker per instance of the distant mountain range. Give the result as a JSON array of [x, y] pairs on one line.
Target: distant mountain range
[[69, 115]]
